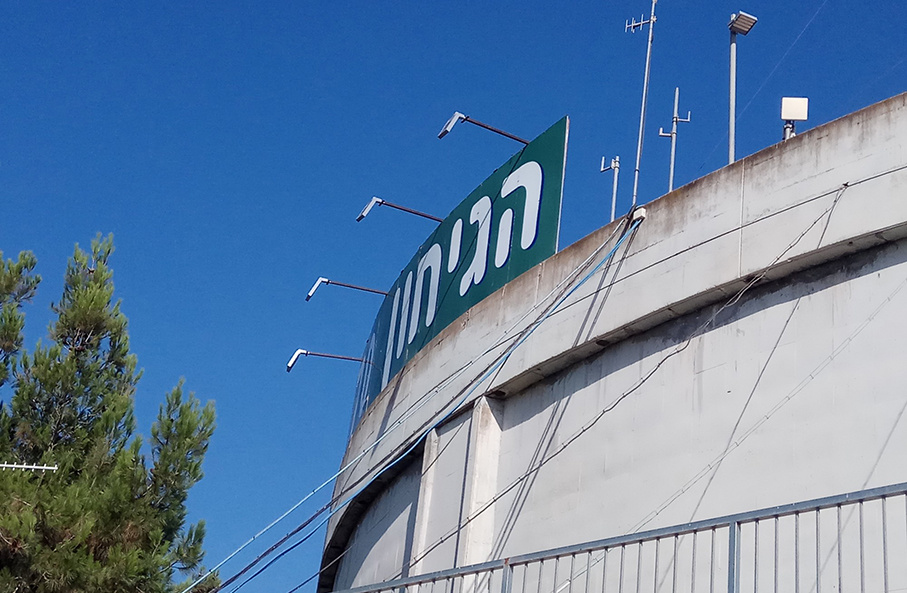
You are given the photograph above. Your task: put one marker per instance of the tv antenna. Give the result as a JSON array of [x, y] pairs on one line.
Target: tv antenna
[[673, 135], [27, 467], [632, 28]]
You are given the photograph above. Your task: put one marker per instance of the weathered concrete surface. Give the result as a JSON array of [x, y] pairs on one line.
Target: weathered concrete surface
[[810, 220]]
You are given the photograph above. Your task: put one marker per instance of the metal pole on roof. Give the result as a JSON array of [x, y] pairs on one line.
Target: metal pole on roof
[[632, 27]]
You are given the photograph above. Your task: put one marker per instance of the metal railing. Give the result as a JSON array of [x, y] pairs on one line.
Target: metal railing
[[849, 542]]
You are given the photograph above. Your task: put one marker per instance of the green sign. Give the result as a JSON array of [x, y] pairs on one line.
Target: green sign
[[506, 226]]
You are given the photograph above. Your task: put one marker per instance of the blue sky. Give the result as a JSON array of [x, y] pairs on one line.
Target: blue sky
[[229, 147]]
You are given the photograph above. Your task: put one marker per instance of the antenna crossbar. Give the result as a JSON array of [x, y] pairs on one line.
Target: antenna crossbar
[[27, 467]]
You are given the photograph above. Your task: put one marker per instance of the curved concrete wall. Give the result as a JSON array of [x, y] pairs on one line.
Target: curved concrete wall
[[612, 418]]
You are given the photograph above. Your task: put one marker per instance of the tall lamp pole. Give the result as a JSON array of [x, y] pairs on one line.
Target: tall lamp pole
[[741, 22]]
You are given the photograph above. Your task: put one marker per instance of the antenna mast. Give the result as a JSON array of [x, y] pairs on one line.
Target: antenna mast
[[632, 27], [673, 135]]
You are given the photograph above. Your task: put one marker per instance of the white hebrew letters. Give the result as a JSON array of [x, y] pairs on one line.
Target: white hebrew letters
[[529, 177], [404, 313], [390, 340], [456, 237], [430, 261], [502, 249], [481, 215]]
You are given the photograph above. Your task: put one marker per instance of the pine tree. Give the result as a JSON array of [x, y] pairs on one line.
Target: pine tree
[[105, 520]]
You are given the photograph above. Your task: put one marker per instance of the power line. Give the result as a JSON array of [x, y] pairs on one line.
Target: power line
[[474, 385], [417, 405], [698, 331], [503, 359]]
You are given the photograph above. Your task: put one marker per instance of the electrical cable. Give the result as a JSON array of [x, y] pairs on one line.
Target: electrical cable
[[399, 422], [474, 386], [494, 367], [733, 300], [759, 277], [586, 427]]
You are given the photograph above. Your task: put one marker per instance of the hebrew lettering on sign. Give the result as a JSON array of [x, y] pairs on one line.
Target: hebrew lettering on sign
[[506, 226]]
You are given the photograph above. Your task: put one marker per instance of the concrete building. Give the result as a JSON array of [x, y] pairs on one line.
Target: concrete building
[[741, 349]]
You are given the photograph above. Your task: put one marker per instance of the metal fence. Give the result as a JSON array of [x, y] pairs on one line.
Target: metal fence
[[849, 542]]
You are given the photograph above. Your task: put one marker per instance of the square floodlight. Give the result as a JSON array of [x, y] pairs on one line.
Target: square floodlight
[[741, 23], [794, 108]]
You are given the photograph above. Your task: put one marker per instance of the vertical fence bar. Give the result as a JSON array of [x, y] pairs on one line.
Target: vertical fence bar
[[639, 567], [620, 575], [818, 556], [885, 542], [797, 553], [655, 583], [588, 571], [557, 563], [840, 559], [525, 574], [862, 553], [775, 590], [570, 575], [693, 566], [539, 584], [712, 562], [676, 562], [506, 577], [733, 556], [604, 568], [756, 557]]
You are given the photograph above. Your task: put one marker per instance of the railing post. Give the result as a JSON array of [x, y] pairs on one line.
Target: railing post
[[733, 557], [506, 576]]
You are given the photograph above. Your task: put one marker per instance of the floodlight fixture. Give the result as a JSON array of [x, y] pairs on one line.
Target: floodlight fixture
[[322, 280], [376, 201], [368, 208], [301, 352], [741, 22], [458, 117], [318, 283]]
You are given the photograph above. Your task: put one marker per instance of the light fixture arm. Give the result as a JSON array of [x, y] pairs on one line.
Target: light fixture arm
[[376, 201], [458, 117], [323, 280], [301, 352]]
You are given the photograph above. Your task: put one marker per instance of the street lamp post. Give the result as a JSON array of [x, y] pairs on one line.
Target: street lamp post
[[742, 23]]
